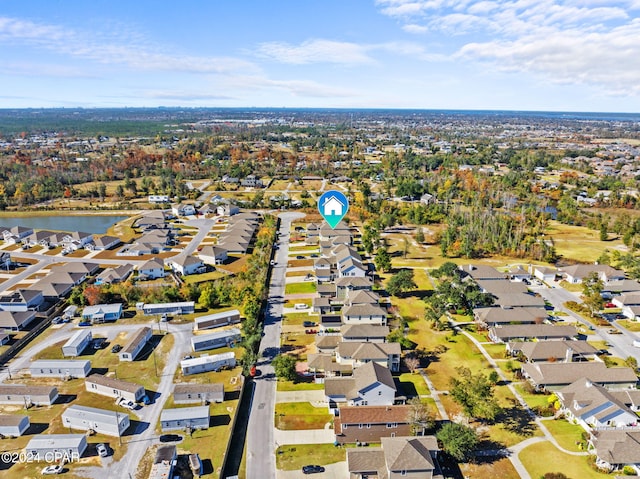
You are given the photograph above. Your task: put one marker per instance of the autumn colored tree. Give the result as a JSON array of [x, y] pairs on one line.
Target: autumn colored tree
[[93, 295]]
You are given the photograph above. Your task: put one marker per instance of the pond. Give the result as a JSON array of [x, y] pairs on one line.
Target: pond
[[94, 224]]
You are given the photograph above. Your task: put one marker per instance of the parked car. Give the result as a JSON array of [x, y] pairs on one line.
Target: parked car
[[614, 331], [56, 320], [127, 403], [301, 306], [102, 450], [116, 348], [99, 343], [170, 438], [312, 469], [84, 324], [53, 469], [299, 257], [308, 324], [610, 305]]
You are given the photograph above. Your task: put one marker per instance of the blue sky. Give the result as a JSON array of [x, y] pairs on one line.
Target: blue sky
[[577, 55]]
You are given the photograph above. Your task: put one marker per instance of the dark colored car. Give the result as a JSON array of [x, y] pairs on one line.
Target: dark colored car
[[116, 348], [170, 438], [84, 324], [312, 469], [299, 257], [308, 324]]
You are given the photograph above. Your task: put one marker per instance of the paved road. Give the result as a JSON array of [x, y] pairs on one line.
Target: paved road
[[621, 344], [260, 431]]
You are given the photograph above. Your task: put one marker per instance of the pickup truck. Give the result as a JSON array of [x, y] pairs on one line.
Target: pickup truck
[[636, 343]]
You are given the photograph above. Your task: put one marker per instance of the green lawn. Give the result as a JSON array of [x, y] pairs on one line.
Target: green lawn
[[301, 415], [415, 383], [630, 325], [532, 400], [568, 435], [292, 457], [300, 288], [543, 457], [201, 278], [299, 386]]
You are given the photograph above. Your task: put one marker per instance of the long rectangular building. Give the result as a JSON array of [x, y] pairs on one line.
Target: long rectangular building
[[43, 446], [61, 368], [208, 363], [196, 417], [103, 421], [136, 344], [77, 343], [185, 307], [216, 340], [27, 395], [216, 320], [185, 393], [115, 388]]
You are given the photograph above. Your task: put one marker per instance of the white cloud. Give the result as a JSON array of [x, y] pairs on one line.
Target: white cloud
[[183, 95], [415, 28], [315, 51]]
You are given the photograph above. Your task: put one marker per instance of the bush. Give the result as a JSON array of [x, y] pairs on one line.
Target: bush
[[628, 471]]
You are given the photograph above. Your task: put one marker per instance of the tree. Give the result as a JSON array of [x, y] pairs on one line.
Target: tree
[[412, 362], [420, 236], [383, 260], [285, 367], [631, 362], [474, 392], [457, 440], [400, 282], [592, 292], [93, 295], [420, 417], [604, 234]]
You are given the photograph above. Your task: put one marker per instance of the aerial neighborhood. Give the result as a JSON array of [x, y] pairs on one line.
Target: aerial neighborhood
[[463, 302]]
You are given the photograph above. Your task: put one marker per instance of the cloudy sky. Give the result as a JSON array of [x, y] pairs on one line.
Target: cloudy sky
[[572, 55]]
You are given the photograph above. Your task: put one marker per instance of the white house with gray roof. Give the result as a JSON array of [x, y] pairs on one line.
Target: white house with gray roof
[[370, 385], [102, 421], [77, 343], [203, 364], [186, 393], [136, 344], [44, 446], [114, 388], [177, 419], [27, 395], [13, 425], [60, 368]]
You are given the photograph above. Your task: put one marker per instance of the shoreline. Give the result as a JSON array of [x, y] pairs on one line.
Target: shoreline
[[38, 213]]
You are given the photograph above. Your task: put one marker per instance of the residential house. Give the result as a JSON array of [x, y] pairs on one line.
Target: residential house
[[370, 385], [100, 313], [351, 283], [616, 448], [358, 424], [427, 199], [545, 274], [103, 243], [577, 272], [186, 393], [593, 406], [151, 220], [155, 199], [21, 300], [13, 425], [482, 272], [213, 255], [327, 343], [364, 313], [373, 333], [518, 273], [203, 364], [321, 305], [227, 210], [217, 320], [181, 307], [5, 260], [357, 354], [510, 294], [411, 457], [252, 181], [76, 240], [118, 274], [495, 316], [152, 269], [60, 368], [553, 351], [216, 340], [16, 320], [16, 234], [524, 332], [136, 344], [43, 446], [101, 421], [77, 343], [186, 265], [177, 419], [115, 388], [554, 376], [183, 210], [629, 303], [27, 395]]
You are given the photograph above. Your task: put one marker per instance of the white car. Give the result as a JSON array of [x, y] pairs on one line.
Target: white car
[[53, 469], [102, 450], [127, 403]]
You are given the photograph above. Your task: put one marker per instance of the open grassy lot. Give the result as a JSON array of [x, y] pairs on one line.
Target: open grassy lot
[[292, 302], [300, 263], [630, 325], [578, 242], [300, 288], [290, 458], [301, 385], [556, 461], [491, 467], [204, 277], [413, 384], [296, 319], [301, 415], [568, 435]]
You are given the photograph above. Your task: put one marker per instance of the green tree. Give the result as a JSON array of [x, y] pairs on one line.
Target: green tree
[[400, 282], [457, 440], [631, 362], [421, 417], [604, 234], [382, 260], [420, 236], [285, 367], [592, 292], [474, 392]]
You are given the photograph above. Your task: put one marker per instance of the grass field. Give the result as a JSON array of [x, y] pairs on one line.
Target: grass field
[[494, 468], [415, 382], [568, 435], [578, 242], [630, 325], [300, 288], [300, 415], [299, 386], [290, 458], [556, 461]]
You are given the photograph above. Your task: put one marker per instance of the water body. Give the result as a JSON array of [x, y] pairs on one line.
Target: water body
[[95, 224]]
